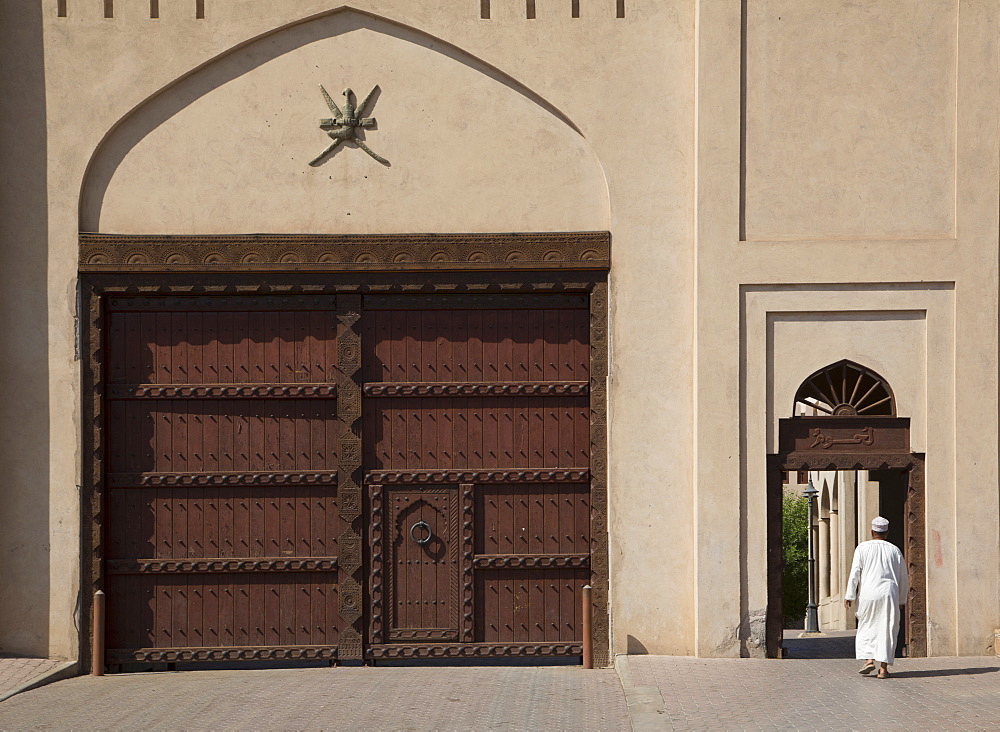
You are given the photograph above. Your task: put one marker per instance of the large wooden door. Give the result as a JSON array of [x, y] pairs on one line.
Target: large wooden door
[[481, 405], [224, 536], [222, 520]]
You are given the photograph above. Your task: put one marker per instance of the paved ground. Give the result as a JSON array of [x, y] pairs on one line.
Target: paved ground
[[15, 671], [414, 698], [660, 692], [818, 694]]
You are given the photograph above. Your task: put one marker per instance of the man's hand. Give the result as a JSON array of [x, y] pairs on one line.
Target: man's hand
[[847, 604]]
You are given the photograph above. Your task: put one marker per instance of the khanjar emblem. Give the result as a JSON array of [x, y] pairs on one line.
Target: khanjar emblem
[[345, 124]]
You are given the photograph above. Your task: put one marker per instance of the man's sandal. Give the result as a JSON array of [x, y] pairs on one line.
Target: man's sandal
[[867, 669], [882, 674]]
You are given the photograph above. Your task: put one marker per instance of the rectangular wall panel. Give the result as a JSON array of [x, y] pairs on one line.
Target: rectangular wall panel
[[850, 119]]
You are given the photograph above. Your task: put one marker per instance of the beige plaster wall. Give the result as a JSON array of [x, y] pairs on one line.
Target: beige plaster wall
[[850, 193], [850, 123], [228, 150], [498, 125], [31, 532]]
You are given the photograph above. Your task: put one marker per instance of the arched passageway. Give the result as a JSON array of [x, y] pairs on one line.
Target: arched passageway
[[846, 436]]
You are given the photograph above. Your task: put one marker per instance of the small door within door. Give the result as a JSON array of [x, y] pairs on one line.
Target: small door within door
[[422, 564]]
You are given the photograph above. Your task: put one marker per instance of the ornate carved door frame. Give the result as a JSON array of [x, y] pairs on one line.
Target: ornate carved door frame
[[348, 267], [853, 443]]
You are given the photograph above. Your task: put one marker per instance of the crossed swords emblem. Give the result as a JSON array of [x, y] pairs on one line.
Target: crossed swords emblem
[[345, 124]]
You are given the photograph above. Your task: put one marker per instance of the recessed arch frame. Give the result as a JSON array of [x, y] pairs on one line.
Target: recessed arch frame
[[191, 86]]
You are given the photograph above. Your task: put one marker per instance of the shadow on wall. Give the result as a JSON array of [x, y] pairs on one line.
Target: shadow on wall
[[24, 374], [634, 647], [243, 59]]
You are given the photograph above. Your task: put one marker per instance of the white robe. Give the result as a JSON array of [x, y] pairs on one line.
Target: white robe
[[880, 572]]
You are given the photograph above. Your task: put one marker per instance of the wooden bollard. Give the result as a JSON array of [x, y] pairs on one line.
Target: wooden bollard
[[97, 648], [588, 625]]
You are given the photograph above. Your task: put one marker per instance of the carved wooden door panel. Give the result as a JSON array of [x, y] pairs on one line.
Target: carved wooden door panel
[[490, 393], [222, 521], [423, 555]]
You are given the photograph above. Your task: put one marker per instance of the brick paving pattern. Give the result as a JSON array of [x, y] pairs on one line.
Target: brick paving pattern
[[413, 698], [15, 671], [663, 693], [822, 694]]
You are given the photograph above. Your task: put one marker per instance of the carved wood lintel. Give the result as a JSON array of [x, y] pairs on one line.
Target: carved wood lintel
[[284, 252]]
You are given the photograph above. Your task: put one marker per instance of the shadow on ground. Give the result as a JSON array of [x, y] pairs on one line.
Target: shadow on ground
[[945, 672], [837, 644]]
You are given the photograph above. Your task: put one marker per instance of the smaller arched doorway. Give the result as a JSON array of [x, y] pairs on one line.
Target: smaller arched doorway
[[845, 420]]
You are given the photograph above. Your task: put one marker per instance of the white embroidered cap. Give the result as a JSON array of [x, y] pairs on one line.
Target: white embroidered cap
[[880, 525]]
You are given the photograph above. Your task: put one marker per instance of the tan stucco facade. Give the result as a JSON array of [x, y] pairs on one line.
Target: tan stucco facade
[[787, 183]]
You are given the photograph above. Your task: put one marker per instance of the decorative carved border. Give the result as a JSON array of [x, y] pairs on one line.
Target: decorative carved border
[[137, 480], [221, 391], [253, 291], [421, 477], [214, 565], [413, 252], [854, 461], [467, 624], [510, 388], [376, 508], [350, 644], [457, 549], [221, 653], [473, 650], [916, 557], [531, 561], [92, 493], [599, 472]]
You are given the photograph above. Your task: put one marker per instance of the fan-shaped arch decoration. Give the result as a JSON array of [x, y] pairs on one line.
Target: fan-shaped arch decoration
[[845, 389]]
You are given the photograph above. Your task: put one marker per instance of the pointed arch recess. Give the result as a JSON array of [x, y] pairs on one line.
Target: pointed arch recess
[[845, 389], [145, 117]]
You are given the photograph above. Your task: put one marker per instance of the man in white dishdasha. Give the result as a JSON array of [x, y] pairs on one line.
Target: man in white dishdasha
[[879, 583]]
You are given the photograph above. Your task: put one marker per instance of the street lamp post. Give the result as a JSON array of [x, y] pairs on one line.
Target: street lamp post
[[812, 620]]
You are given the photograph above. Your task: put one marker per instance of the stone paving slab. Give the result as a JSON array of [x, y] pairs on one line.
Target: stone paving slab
[[742, 694], [16, 672], [413, 698]]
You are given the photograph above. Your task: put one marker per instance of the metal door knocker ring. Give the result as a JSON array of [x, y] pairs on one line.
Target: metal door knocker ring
[[423, 525]]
